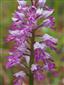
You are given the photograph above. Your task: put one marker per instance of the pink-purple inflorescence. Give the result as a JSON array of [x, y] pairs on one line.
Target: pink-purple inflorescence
[[25, 21]]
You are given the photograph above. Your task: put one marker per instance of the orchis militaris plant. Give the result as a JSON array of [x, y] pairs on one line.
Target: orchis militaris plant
[[28, 53]]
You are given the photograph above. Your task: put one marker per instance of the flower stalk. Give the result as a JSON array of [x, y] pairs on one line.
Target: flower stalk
[[31, 78]]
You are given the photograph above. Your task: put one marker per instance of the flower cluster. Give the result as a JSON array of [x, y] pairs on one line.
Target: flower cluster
[[22, 32]]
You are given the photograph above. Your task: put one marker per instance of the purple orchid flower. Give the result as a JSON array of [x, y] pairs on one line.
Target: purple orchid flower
[[27, 51]]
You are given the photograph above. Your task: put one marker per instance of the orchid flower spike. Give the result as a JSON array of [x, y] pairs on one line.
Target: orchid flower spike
[[27, 52]]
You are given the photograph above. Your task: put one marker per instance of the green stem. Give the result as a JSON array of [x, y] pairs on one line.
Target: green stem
[[31, 79]]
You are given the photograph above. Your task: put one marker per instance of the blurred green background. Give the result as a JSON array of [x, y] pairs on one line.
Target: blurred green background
[[7, 7]]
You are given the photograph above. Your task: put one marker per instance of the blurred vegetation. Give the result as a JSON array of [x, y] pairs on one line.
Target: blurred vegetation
[[7, 8]]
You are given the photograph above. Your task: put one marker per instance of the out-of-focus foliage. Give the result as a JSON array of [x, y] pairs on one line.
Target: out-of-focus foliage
[[7, 8]]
